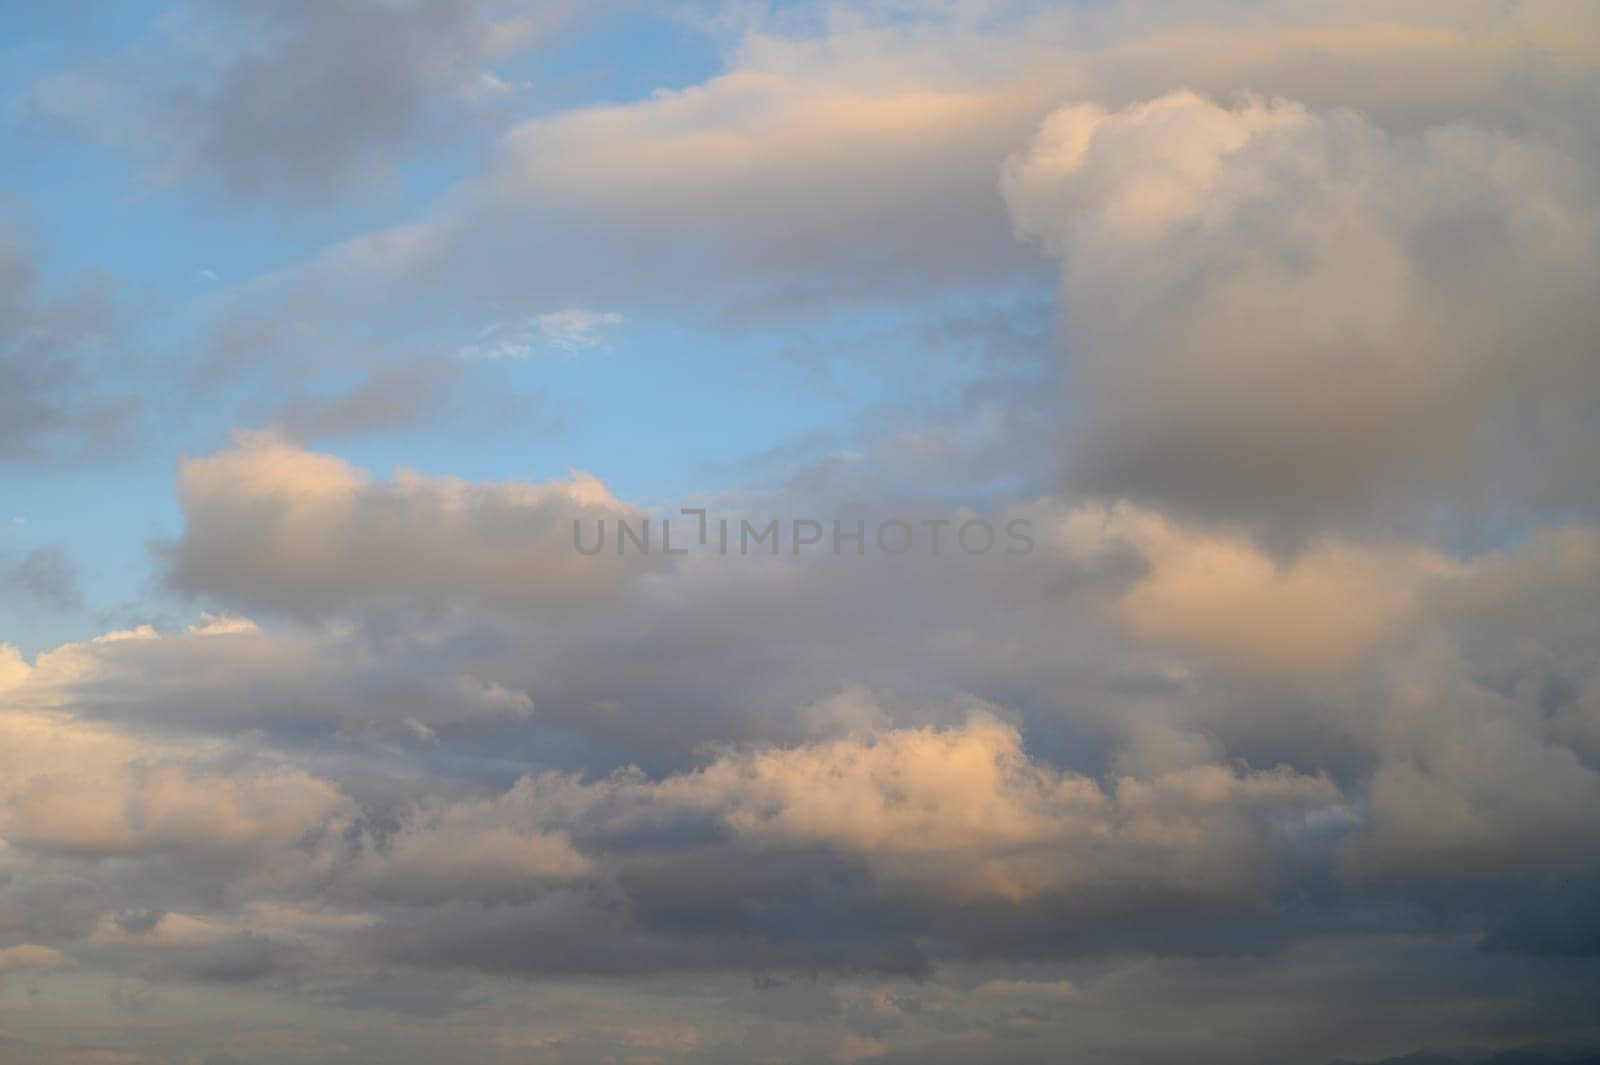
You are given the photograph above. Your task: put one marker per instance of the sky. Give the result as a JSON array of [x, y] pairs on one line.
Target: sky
[[1216, 676]]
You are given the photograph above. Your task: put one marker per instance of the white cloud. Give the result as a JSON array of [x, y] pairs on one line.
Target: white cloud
[[570, 331]]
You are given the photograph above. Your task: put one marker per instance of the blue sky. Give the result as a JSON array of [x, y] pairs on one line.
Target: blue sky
[[661, 402]]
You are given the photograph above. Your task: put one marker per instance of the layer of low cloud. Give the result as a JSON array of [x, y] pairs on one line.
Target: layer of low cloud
[[378, 798]]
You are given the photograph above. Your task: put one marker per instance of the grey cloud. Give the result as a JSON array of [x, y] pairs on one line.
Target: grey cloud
[[229, 678], [300, 103], [424, 995], [62, 398], [801, 182], [638, 874], [1299, 320], [239, 959], [390, 397], [1407, 68], [744, 863], [721, 650], [857, 167], [46, 575]]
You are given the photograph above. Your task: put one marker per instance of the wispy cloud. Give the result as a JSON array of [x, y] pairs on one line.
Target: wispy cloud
[[572, 330]]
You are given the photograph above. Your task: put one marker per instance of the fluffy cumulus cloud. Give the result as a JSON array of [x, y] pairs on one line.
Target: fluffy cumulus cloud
[[75, 787], [1221, 596], [270, 523], [1296, 317], [966, 813], [1282, 742]]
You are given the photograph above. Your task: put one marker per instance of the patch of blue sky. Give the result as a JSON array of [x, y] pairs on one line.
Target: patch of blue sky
[[104, 520], [613, 57], [666, 408]]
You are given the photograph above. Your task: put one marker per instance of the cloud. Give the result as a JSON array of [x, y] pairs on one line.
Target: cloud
[[1426, 64], [1220, 596], [1469, 783], [570, 331], [487, 863], [471, 850], [225, 676], [13, 668], [300, 103], [813, 175], [854, 164], [389, 398], [1279, 740], [78, 788], [167, 809], [1299, 319], [56, 405], [30, 956], [45, 575], [1225, 597], [915, 836], [273, 525], [965, 813]]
